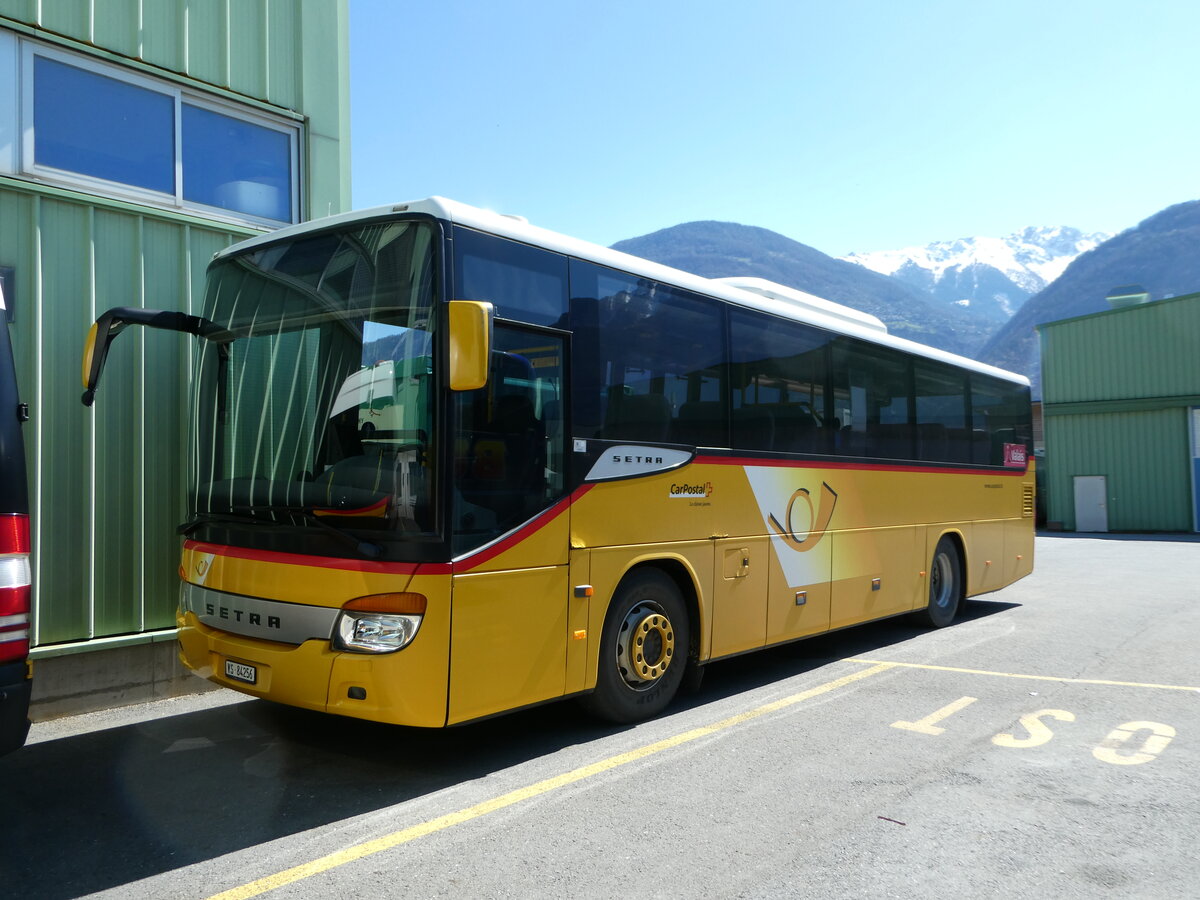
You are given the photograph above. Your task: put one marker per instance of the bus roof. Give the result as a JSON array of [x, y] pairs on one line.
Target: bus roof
[[752, 293]]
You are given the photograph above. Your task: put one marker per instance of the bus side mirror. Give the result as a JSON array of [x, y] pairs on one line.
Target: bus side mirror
[[95, 351], [110, 324], [470, 344]]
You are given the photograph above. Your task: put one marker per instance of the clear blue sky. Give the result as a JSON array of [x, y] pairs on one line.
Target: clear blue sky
[[850, 125]]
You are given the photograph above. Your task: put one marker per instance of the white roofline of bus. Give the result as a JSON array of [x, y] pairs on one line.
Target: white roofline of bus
[[754, 293]]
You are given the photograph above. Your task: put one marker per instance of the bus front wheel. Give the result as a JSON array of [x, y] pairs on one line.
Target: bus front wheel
[[945, 586], [643, 650]]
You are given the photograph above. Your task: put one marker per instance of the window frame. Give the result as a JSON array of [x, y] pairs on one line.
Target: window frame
[[10, 102], [27, 165]]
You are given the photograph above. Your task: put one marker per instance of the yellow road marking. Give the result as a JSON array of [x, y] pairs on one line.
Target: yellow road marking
[[396, 838], [928, 725], [1101, 681]]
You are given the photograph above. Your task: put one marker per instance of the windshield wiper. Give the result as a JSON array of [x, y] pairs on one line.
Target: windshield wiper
[[244, 514], [204, 518], [369, 549]]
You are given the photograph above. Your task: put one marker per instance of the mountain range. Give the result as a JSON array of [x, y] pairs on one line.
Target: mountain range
[[1162, 254], [993, 276], [920, 292]]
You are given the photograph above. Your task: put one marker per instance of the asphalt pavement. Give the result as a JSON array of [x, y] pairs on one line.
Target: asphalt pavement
[[1046, 744]]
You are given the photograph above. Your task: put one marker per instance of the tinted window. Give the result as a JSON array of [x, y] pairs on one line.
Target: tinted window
[[778, 384], [871, 394], [649, 361], [238, 165], [941, 407], [102, 127], [1000, 419], [524, 283]]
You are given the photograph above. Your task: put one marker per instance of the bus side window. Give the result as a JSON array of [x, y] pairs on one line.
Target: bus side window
[[522, 282], [872, 388], [779, 373], [647, 351], [637, 417], [941, 403], [999, 417]]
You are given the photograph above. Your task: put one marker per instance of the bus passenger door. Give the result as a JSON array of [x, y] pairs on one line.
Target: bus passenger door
[[510, 630]]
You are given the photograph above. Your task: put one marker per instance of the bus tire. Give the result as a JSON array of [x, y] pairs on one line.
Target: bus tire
[[945, 585], [643, 649]]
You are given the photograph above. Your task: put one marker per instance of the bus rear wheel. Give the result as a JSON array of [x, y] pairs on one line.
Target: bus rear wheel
[[643, 650], [945, 586]]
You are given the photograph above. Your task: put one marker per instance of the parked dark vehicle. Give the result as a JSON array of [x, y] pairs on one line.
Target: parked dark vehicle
[[15, 580]]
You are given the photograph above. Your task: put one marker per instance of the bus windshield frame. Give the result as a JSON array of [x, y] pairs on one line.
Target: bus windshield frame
[[315, 420]]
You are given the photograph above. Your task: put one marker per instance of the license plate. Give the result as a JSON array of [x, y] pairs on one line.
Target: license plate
[[240, 672]]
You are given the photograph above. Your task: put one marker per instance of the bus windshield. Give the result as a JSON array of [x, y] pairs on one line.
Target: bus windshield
[[317, 410]]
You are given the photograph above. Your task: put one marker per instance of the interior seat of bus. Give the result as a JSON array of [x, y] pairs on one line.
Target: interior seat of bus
[[637, 417]]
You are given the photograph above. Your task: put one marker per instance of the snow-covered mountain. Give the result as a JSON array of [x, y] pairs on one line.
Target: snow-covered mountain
[[992, 277]]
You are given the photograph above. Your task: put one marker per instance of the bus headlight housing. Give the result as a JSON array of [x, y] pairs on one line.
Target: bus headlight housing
[[379, 623]]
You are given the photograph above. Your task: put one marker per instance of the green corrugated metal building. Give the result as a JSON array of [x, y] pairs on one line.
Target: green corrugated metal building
[[1121, 402], [136, 139]]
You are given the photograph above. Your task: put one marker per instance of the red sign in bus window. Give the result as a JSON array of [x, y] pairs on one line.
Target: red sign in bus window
[[1014, 456]]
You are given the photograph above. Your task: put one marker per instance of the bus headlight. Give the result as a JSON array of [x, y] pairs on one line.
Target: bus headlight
[[379, 623]]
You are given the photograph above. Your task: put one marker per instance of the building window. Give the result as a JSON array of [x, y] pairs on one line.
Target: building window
[[113, 131], [237, 165], [93, 125]]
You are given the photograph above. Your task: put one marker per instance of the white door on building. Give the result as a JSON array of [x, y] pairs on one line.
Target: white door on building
[[1091, 503], [1196, 468]]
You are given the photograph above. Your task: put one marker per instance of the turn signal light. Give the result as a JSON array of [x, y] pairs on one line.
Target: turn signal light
[[402, 604]]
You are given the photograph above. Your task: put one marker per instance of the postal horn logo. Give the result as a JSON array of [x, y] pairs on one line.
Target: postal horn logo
[[801, 536]]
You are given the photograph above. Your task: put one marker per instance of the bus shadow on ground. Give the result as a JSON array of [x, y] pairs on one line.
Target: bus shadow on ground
[[735, 675], [108, 808]]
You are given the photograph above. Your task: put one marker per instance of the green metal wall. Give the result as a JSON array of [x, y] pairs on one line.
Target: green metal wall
[[1117, 390], [107, 484], [1144, 456], [1139, 352]]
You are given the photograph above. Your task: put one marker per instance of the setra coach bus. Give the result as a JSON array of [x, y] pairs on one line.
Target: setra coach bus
[[444, 464]]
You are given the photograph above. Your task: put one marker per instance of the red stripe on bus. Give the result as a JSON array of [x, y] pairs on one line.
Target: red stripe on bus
[[474, 560], [749, 462], [320, 562]]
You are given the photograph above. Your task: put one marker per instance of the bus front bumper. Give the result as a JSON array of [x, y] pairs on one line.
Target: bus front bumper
[[399, 688]]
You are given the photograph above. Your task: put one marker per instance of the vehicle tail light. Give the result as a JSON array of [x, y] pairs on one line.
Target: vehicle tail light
[[379, 623], [15, 581]]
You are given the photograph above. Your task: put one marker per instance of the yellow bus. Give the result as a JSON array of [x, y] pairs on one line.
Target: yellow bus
[[444, 464]]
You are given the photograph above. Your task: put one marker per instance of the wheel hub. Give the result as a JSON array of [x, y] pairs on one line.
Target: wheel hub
[[941, 581], [646, 645]]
